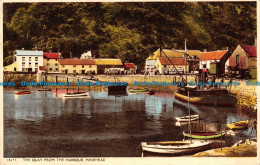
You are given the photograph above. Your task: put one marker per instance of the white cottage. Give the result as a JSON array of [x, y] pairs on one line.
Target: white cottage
[[28, 60]]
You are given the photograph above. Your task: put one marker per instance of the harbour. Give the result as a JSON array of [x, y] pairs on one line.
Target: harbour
[[101, 125]]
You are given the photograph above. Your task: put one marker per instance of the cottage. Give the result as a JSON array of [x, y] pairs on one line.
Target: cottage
[[103, 63], [130, 68], [243, 59], [214, 61], [167, 66], [194, 55], [50, 61], [11, 68], [77, 66], [28, 60]]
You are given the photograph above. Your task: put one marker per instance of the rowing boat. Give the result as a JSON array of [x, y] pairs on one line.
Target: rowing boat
[[238, 125], [139, 90], [187, 118], [175, 147], [23, 93], [76, 94], [204, 135]]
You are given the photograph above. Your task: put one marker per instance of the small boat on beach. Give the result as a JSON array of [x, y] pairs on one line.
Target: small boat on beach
[[76, 94], [238, 125], [187, 118], [175, 147], [23, 93], [139, 90], [204, 135]]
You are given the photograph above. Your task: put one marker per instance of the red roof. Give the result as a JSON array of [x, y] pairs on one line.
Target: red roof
[[129, 65], [174, 61], [77, 62], [51, 55], [250, 50], [217, 55], [42, 68]]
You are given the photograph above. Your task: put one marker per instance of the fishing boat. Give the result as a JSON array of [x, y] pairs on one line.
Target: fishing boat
[[139, 90], [175, 147], [204, 135], [76, 94], [44, 89], [23, 93], [187, 118], [238, 125]]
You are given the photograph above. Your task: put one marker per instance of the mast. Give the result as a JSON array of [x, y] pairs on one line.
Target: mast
[[189, 114], [185, 54]]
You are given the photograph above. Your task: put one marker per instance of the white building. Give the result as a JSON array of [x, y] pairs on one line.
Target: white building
[[28, 60], [87, 55]]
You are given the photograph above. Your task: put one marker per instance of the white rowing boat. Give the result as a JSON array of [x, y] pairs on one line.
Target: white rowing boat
[[187, 118], [76, 94]]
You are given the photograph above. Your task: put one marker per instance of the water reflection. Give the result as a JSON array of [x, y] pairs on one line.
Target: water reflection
[[100, 125]]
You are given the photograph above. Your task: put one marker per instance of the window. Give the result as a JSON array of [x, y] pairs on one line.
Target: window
[[47, 59], [237, 59], [56, 59], [74, 71], [63, 71], [23, 69], [36, 69], [30, 64], [23, 58], [56, 64], [36, 58], [89, 66], [82, 66], [56, 69], [36, 64], [74, 66], [164, 66], [50, 69], [23, 64], [30, 58], [204, 65], [63, 66]]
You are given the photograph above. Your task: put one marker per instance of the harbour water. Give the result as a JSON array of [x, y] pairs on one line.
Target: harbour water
[[44, 124]]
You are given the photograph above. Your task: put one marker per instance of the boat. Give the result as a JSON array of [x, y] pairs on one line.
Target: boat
[[187, 118], [238, 125], [207, 98], [23, 93], [44, 89], [139, 90], [76, 94], [151, 92], [175, 147], [204, 135], [116, 88]]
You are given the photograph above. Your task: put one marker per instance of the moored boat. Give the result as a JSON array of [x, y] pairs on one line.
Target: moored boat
[[175, 147], [238, 125], [23, 93], [44, 89], [76, 94], [221, 100], [114, 88], [204, 135], [139, 90], [151, 92], [187, 118]]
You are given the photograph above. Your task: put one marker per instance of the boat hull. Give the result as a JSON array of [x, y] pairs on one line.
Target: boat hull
[[203, 136], [175, 149], [23, 93], [238, 125], [212, 100], [138, 90], [79, 94], [187, 118]]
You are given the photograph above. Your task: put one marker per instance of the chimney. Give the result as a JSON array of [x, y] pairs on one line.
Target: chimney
[[205, 50], [227, 48], [22, 48]]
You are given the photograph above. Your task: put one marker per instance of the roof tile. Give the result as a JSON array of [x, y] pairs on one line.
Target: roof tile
[[216, 55]]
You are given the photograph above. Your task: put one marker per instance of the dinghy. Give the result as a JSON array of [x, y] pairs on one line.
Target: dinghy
[[238, 125], [76, 94], [187, 118], [23, 93], [204, 135]]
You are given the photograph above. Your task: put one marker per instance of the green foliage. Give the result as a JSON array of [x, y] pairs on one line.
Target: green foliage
[[131, 31]]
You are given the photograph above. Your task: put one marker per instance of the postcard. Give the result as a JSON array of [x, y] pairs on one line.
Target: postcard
[[129, 82]]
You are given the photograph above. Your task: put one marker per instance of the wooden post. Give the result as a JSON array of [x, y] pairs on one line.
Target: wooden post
[[67, 85]]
